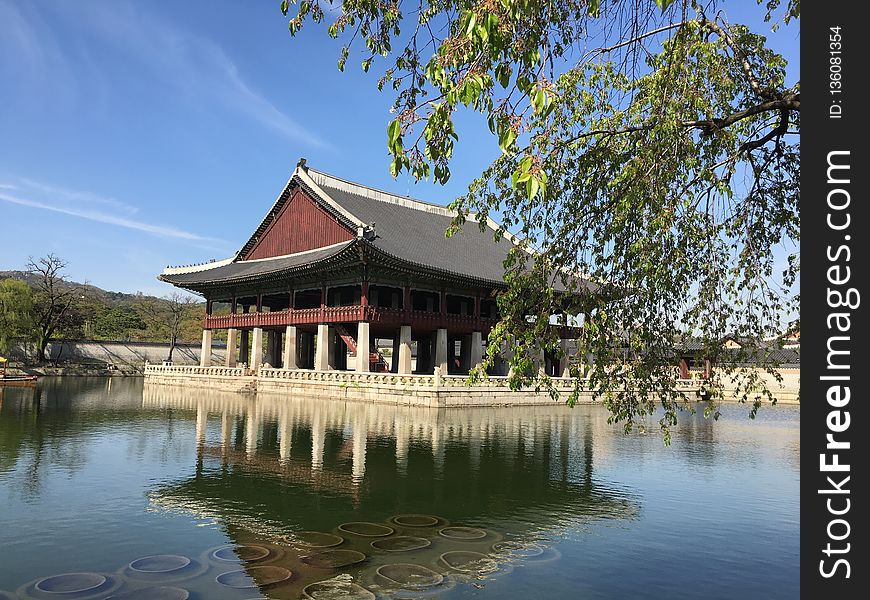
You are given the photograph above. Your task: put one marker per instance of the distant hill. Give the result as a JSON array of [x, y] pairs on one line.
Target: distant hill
[[106, 315], [97, 293]]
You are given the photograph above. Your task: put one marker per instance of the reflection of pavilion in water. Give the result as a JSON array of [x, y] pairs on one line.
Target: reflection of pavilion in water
[[269, 467]]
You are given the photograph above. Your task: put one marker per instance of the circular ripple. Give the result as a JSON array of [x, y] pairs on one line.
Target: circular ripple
[[71, 583], [411, 576], [153, 593], [253, 577], [159, 563], [318, 539], [366, 529], [469, 562], [401, 543], [415, 520], [517, 549], [463, 533], [336, 589], [242, 552], [333, 559]]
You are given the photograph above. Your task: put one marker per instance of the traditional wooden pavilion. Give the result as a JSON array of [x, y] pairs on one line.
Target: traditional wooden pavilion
[[335, 265]]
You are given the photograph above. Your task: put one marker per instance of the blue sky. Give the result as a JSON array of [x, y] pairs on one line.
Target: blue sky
[[134, 135]]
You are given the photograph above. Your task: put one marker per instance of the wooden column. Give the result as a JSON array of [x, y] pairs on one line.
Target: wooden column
[[245, 350], [684, 368], [322, 304]]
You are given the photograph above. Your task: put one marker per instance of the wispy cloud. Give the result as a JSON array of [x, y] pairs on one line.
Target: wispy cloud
[[194, 65], [87, 205], [26, 185]]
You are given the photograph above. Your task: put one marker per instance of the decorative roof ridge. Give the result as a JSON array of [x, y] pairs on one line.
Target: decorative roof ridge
[[300, 253], [196, 268], [376, 194], [391, 198]]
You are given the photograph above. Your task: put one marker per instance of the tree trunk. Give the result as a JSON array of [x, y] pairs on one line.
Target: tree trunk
[[171, 347]]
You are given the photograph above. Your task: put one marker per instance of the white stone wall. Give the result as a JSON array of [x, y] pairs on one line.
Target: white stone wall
[[133, 354]]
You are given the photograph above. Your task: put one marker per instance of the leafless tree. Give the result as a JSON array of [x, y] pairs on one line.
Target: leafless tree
[[55, 298]]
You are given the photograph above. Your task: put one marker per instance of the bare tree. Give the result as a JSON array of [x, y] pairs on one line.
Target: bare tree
[[54, 299], [167, 315]]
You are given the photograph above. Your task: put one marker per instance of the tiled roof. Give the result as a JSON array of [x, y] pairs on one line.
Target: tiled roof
[[244, 270], [406, 230]]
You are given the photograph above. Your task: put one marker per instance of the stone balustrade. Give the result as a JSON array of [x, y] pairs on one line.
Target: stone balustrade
[[197, 370]]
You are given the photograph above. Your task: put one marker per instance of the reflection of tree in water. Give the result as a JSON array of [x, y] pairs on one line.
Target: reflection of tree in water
[[51, 426]]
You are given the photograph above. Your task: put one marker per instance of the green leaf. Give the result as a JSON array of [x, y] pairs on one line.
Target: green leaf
[[506, 139], [394, 130], [285, 6], [594, 9]]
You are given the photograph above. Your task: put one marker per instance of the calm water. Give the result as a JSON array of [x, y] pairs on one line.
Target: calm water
[[543, 502]]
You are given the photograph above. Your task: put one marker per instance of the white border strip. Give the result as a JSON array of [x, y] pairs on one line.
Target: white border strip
[[199, 267]]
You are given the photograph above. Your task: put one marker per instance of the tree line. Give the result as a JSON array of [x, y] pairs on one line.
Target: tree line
[[40, 303]]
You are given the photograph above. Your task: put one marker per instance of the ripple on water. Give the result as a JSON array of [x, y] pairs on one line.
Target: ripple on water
[[365, 529], [254, 577], [80, 586]]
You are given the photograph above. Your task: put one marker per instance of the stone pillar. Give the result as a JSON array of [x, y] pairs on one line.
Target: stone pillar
[[205, 353], [257, 348], [362, 347], [540, 362], [476, 350], [565, 360], [321, 353], [232, 356], [290, 348], [441, 350], [245, 349], [404, 350]]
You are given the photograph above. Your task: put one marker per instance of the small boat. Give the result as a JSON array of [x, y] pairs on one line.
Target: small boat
[[6, 379], [18, 380]]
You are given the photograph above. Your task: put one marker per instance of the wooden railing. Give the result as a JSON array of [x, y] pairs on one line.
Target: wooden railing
[[348, 314]]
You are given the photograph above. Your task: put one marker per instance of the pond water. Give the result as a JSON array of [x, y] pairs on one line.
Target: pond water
[[112, 488]]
